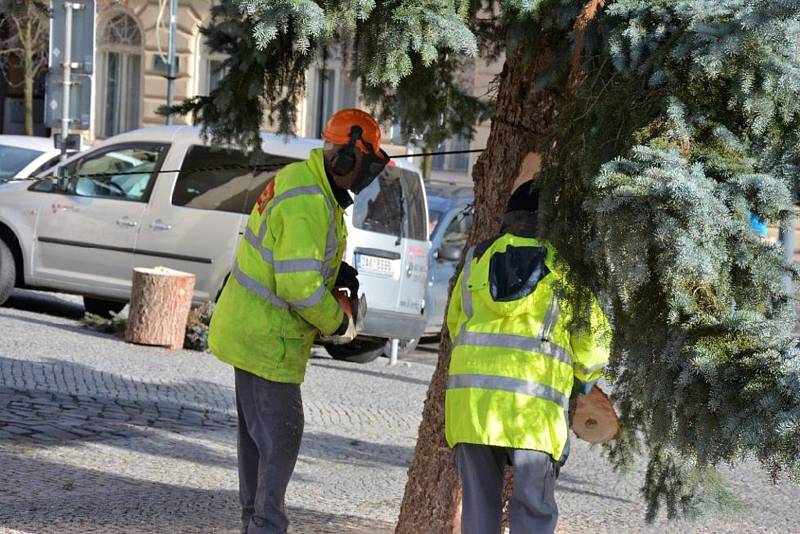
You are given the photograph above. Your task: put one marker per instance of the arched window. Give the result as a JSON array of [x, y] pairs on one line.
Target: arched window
[[120, 66]]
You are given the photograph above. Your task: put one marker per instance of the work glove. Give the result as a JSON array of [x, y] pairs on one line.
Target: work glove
[[348, 278], [346, 333], [354, 311]]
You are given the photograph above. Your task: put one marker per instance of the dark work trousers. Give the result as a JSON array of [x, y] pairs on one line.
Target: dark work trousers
[[270, 429], [532, 506]]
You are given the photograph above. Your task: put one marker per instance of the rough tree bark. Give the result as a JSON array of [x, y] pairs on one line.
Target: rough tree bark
[[160, 303], [523, 114]]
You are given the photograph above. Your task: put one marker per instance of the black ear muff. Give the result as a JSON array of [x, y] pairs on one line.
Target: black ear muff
[[344, 160]]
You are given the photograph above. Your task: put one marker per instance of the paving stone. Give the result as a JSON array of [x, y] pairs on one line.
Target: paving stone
[[52, 431], [17, 430], [147, 444]]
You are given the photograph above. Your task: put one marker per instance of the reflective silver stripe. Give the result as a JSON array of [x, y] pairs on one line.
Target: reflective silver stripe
[[330, 247], [589, 370], [547, 317], [284, 266], [302, 264], [512, 341], [266, 254], [298, 265], [553, 321], [313, 300], [505, 383], [293, 265], [296, 192], [260, 290], [262, 230], [466, 297]]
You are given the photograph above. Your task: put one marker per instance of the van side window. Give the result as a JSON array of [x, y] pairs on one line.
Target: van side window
[[414, 199], [393, 204], [221, 179], [120, 172], [457, 230], [378, 208]]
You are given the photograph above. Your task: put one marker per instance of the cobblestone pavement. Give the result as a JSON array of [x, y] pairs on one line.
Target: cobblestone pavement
[[97, 435]]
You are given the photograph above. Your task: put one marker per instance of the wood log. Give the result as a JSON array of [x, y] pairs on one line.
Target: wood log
[[595, 419], [160, 302]]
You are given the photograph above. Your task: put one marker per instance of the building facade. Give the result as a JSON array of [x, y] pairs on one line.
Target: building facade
[[130, 82]]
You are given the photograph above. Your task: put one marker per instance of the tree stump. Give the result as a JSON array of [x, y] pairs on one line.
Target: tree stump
[[160, 302]]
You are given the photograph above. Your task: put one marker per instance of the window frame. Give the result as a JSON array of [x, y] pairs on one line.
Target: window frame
[[404, 178], [106, 45], [250, 172], [448, 162], [105, 150], [460, 217]]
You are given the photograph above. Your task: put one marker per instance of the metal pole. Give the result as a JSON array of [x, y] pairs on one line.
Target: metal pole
[[393, 351], [66, 66], [67, 69], [173, 23]]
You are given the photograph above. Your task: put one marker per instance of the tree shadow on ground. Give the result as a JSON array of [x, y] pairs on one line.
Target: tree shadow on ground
[[43, 496], [33, 414], [79, 329], [567, 488], [342, 449], [358, 368], [47, 303], [39, 419]]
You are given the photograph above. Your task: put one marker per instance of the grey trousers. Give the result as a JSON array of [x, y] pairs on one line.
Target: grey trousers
[[532, 506], [270, 429]]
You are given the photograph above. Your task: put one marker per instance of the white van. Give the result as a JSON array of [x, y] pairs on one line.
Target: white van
[[162, 196]]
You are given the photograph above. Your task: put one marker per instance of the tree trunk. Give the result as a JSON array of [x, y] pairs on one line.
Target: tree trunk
[[27, 43], [160, 303], [427, 164], [431, 503]]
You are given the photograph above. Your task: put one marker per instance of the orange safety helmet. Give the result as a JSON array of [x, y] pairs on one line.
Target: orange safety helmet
[[337, 130]]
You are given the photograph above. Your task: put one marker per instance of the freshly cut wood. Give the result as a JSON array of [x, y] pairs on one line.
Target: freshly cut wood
[[160, 302], [595, 419]]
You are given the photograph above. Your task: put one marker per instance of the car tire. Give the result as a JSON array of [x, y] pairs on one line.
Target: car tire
[[357, 351], [8, 272], [102, 307]]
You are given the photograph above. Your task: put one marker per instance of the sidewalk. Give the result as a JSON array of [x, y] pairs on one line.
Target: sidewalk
[[97, 435], [100, 436]]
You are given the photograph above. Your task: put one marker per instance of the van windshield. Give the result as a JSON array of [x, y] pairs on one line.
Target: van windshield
[[393, 204]]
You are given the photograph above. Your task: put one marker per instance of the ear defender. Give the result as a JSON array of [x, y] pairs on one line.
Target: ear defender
[[344, 160]]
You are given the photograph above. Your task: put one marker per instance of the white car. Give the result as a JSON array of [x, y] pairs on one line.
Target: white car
[[162, 196], [23, 156]]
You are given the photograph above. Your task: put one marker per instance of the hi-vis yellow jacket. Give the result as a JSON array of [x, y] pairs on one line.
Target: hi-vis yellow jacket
[[514, 360], [279, 293]]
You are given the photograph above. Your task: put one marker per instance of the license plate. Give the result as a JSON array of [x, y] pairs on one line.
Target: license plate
[[376, 265]]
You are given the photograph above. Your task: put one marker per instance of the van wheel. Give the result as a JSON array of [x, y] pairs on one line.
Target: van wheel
[[8, 272], [101, 307], [357, 351]]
